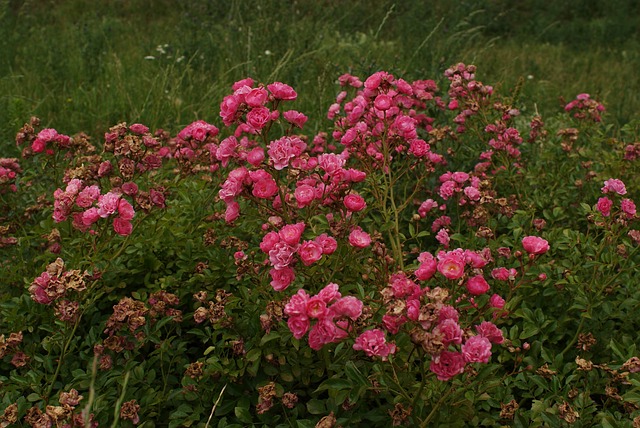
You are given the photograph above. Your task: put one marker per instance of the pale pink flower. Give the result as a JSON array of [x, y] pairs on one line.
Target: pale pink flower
[[281, 255], [477, 349], [477, 285], [447, 189], [281, 151], [310, 252], [88, 196], [427, 206], [614, 185], [443, 237], [354, 202], [535, 245], [108, 204], [447, 364], [472, 193], [374, 344], [359, 238]]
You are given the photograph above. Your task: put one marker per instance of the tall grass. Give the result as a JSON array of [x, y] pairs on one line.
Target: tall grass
[[84, 66]]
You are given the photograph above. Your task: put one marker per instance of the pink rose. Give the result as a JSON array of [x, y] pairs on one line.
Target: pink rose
[[477, 349], [374, 344], [256, 97], [310, 252], [496, 301], [295, 117], [304, 194], [281, 255], [450, 331], [297, 305], [108, 204], [392, 323], [448, 312], [451, 265], [255, 156], [125, 210], [130, 188], [447, 365], [503, 274], [264, 186], [535, 245], [90, 216], [87, 196], [281, 91], [359, 238], [348, 306], [477, 285], [258, 117], [490, 331], [628, 207], [604, 206], [232, 212], [138, 128], [328, 243], [269, 241], [291, 233], [122, 227], [330, 293], [316, 307], [614, 185], [426, 270], [354, 202], [323, 332], [299, 325]]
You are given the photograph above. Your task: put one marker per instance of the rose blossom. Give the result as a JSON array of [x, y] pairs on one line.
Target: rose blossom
[[299, 325], [281, 278], [281, 91], [354, 202], [310, 252], [304, 194], [614, 185], [328, 243], [373, 344], [604, 206], [450, 331], [323, 332], [281, 255], [348, 306], [628, 207], [477, 349], [477, 285], [535, 245], [451, 265], [447, 365], [490, 331], [291, 233], [359, 238], [122, 227], [496, 301]]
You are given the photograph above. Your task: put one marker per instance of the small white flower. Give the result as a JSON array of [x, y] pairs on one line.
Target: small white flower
[[150, 57], [267, 52]]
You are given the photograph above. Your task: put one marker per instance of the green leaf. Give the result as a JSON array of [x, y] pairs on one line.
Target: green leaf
[[316, 407]]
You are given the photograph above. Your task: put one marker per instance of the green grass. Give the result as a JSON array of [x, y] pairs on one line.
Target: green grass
[[80, 65]]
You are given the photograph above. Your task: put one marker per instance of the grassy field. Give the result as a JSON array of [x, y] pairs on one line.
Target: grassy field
[[85, 66]]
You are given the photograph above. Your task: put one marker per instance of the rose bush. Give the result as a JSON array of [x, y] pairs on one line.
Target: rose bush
[[408, 266]]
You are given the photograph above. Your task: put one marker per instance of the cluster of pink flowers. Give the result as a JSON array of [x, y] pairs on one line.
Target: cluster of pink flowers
[[384, 106], [281, 246], [605, 204], [53, 138], [9, 169], [196, 143], [93, 206], [507, 139], [465, 92], [331, 313], [585, 107]]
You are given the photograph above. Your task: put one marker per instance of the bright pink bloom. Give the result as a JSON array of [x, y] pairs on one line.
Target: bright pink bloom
[[258, 117], [90, 216], [448, 312], [383, 102], [359, 238], [323, 332], [374, 344], [614, 185], [125, 210], [535, 245], [628, 207], [328, 243], [256, 97], [477, 285], [496, 301], [490, 331], [138, 128], [108, 204], [255, 156], [304, 194], [427, 206], [281, 151], [443, 237], [269, 241], [122, 227], [281, 91], [451, 265], [503, 274], [295, 117], [310, 252], [348, 306], [316, 307], [450, 331], [291, 233], [281, 278], [426, 270], [232, 212], [354, 202], [298, 325], [447, 365], [297, 305], [281, 255], [477, 349], [87, 196], [330, 293], [604, 206], [264, 186]]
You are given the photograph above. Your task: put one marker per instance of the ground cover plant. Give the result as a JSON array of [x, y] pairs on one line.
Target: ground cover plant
[[424, 251]]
